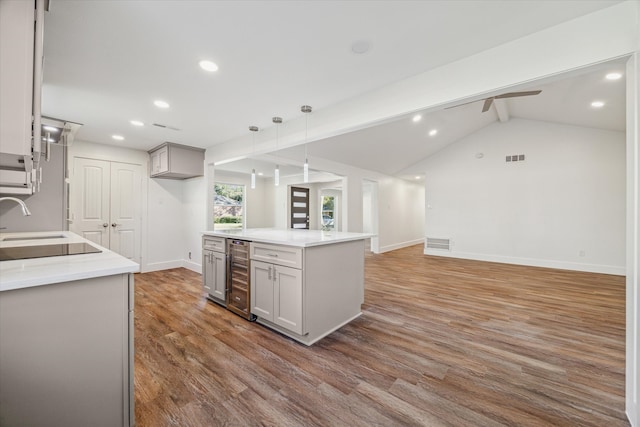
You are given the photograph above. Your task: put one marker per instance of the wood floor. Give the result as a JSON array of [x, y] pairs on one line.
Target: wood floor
[[440, 342]]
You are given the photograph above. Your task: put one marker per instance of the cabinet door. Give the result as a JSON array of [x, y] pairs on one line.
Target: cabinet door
[[262, 290], [208, 273], [16, 79], [287, 307], [219, 284]]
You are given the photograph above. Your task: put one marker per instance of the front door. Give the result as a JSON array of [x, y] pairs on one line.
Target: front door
[[299, 207], [105, 204]]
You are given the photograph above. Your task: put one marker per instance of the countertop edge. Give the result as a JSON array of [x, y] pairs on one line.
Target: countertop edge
[[250, 234]]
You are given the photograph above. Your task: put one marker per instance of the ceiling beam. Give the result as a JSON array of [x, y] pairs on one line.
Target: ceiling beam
[[502, 110]]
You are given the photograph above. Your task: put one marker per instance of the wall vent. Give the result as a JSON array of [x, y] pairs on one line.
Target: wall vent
[[440, 244], [515, 158], [160, 125]]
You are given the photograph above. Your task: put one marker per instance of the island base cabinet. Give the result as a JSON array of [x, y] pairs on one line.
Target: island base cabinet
[[276, 295], [66, 354], [214, 277]]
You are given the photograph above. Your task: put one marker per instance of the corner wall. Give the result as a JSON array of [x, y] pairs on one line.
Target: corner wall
[[562, 207]]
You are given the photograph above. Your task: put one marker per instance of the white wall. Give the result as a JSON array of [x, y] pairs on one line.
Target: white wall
[[400, 214], [165, 242], [194, 215], [563, 207]]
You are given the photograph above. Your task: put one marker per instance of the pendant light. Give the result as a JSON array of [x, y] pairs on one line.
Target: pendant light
[[305, 169], [253, 129], [276, 172]]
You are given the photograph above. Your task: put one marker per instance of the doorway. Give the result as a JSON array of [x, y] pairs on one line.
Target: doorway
[[105, 204], [300, 208]]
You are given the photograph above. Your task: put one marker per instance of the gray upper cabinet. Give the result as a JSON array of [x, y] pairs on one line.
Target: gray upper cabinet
[[21, 61], [175, 161]]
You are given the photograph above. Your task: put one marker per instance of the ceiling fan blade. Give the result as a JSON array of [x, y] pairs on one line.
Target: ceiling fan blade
[[460, 105], [487, 104], [516, 94]]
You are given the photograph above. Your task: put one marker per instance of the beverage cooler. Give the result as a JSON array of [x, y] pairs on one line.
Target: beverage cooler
[[238, 278]]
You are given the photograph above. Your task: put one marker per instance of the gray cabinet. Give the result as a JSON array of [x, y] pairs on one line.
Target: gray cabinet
[[66, 353], [175, 161], [20, 85], [276, 288], [214, 279]]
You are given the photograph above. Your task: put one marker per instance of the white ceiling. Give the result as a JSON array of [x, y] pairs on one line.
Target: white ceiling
[[106, 61]]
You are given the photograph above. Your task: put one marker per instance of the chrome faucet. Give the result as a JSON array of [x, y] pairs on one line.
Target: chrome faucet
[[25, 209]]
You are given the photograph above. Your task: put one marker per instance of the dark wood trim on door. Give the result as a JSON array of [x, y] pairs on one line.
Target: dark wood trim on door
[[300, 208]]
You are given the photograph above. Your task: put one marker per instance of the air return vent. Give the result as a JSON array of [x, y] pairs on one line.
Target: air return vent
[[440, 244], [160, 125]]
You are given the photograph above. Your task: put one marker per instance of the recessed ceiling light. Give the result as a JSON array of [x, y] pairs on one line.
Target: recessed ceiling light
[[118, 137], [417, 118], [597, 104], [360, 47], [417, 177], [160, 103], [50, 128], [433, 132], [136, 122], [613, 76], [260, 173], [208, 66]]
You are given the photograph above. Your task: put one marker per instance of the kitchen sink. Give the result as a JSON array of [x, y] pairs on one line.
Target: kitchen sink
[[15, 239]]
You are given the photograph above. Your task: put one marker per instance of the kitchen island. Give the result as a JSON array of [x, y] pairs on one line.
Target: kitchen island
[[66, 332], [304, 284]]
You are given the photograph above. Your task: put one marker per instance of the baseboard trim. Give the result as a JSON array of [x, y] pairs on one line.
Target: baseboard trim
[[401, 245], [190, 265], [532, 262], [164, 265]]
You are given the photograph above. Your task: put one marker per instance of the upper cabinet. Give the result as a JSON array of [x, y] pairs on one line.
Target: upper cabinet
[[21, 60], [175, 161]]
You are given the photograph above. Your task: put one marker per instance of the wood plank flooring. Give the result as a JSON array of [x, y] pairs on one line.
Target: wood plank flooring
[[441, 342]]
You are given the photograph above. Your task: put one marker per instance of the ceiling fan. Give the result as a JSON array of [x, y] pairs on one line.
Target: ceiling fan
[[489, 101]]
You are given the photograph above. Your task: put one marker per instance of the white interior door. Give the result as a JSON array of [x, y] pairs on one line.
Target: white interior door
[[105, 204], [89, 195], [125, 210]]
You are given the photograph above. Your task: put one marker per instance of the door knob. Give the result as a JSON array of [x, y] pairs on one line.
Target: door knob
[[113, 224], [105, 225]]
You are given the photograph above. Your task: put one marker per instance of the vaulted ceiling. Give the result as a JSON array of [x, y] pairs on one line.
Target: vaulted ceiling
[[107, 61]]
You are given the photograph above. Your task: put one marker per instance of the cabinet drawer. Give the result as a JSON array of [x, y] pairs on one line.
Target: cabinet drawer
[[213, 243], [276, 254]]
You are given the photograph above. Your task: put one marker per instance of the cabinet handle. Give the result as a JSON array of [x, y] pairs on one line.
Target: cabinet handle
[[269, 272], [273, 255]]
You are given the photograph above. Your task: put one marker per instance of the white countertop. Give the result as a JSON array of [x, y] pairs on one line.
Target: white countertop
[[291, 237], [23, 273]]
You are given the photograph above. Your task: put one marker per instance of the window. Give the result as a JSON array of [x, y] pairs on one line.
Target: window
[[328, 212], [228, 206]]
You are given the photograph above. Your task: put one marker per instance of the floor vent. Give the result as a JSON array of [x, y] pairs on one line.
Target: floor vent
[[441, 244]]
